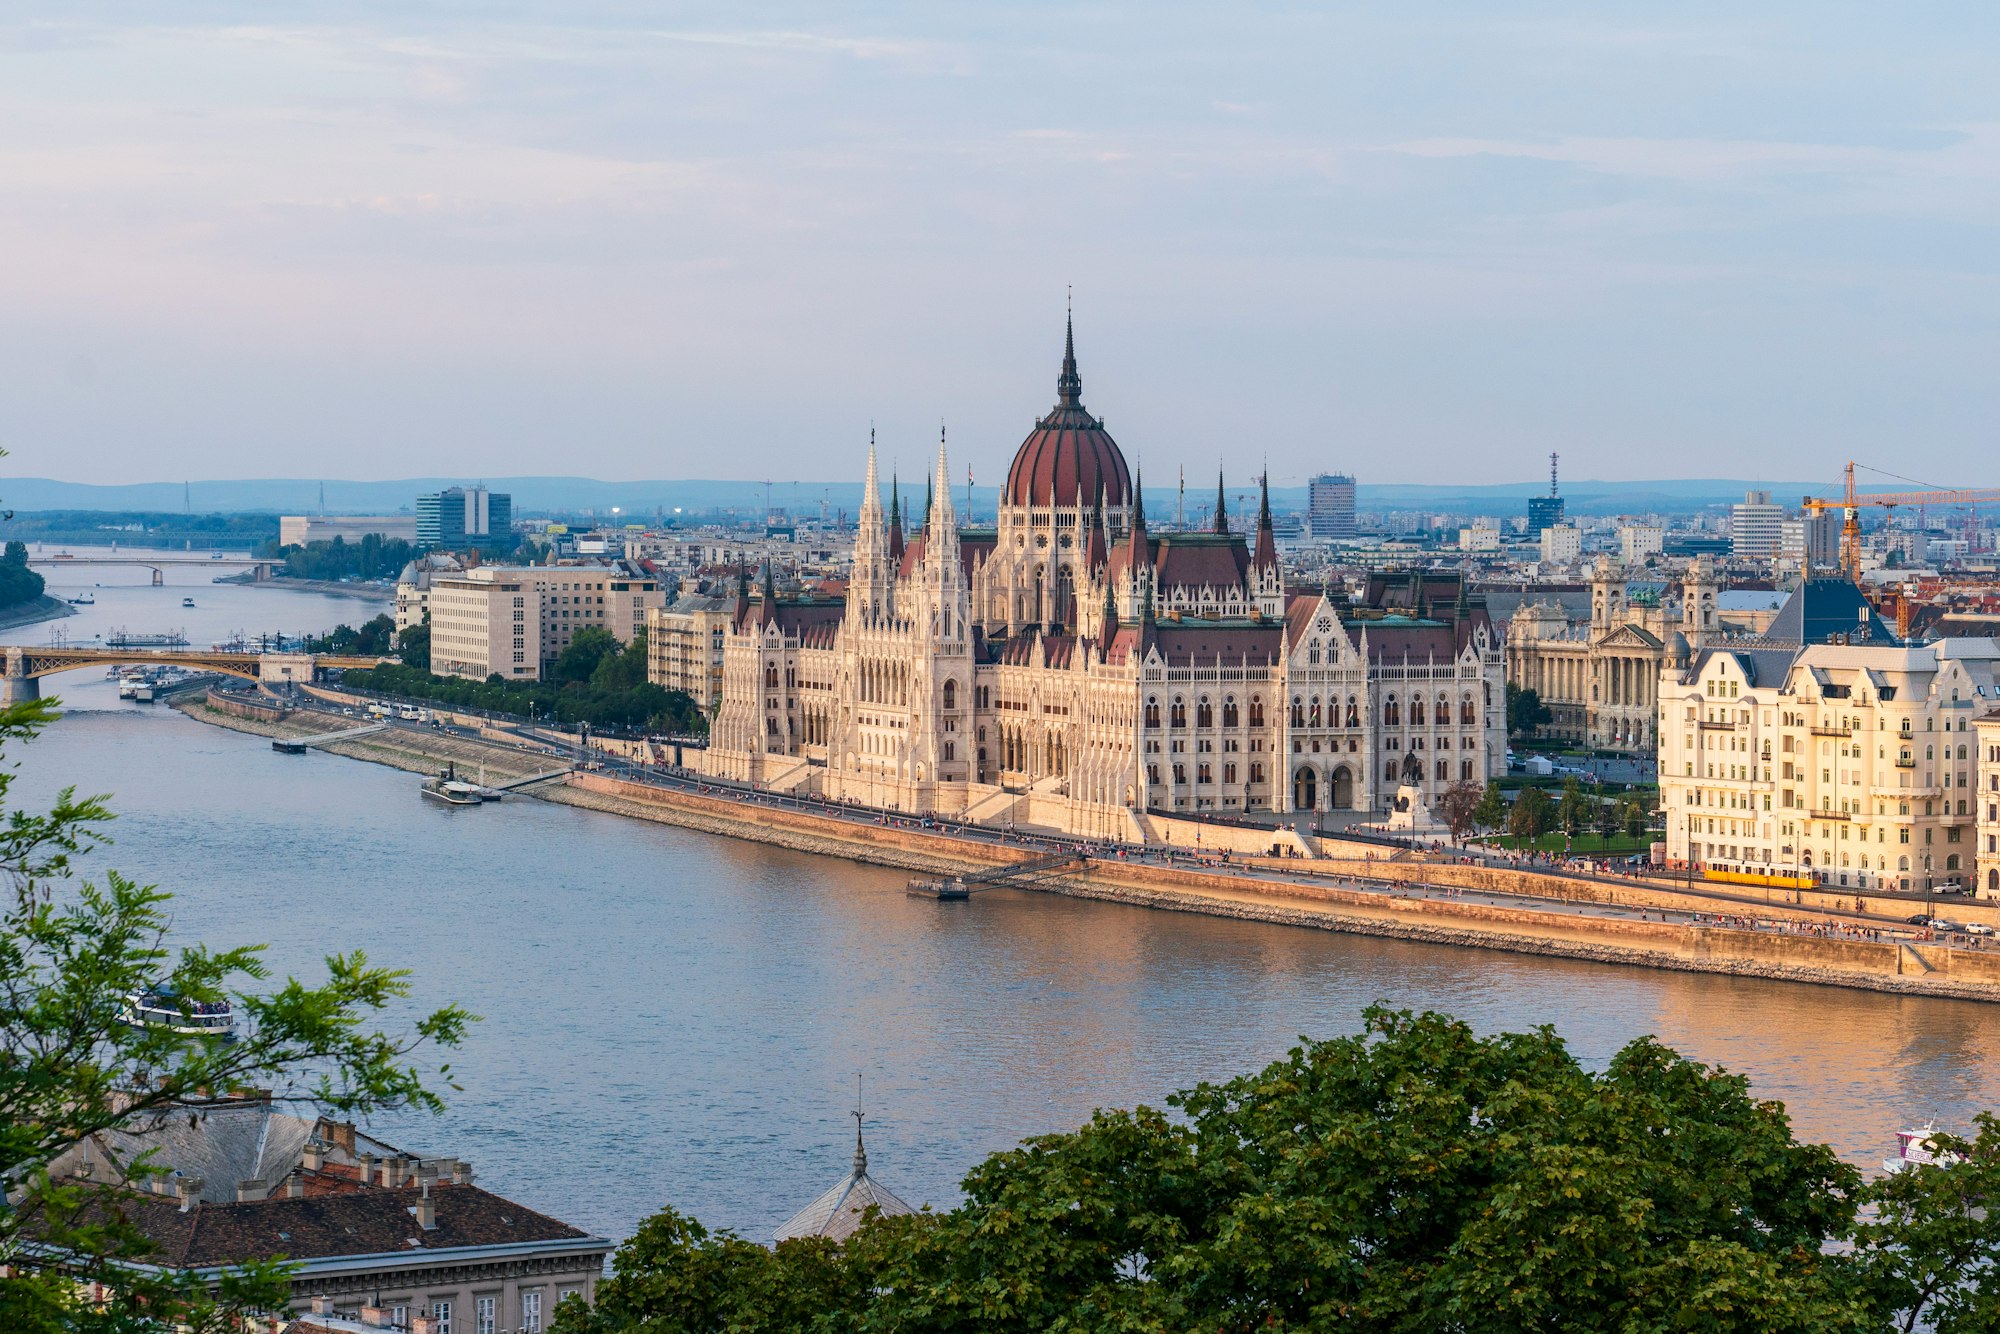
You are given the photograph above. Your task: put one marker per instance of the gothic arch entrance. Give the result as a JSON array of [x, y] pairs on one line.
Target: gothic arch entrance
[[1342, 796], [1305, 790]]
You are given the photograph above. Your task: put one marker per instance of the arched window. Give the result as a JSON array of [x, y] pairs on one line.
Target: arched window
[[1466, 714], [1391, 717], [1229, 711], [1152, 711], [1416, 710], [1256, 710], [1298, 712], [1443, 770], [1314, 721], [1353, 715], [1180, 712], [951, 694], [1204, 713], [1443, 714]]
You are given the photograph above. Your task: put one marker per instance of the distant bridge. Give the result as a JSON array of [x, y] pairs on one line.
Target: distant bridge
[[26, 666], [157, 562]]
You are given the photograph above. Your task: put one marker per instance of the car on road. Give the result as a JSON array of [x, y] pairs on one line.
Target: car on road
[[1918, 919], [1944, 924], [1978, 929]]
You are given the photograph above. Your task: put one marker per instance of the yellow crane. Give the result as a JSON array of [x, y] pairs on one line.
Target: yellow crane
[[1849, 504]]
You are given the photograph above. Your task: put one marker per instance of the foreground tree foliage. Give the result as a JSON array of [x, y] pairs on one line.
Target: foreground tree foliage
[[1415, 1177], [70, 955]]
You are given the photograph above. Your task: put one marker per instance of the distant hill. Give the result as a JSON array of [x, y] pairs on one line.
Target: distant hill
[[643, 499]]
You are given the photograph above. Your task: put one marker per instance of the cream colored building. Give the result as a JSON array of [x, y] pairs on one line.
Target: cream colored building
[[413, 586], [1072, 668], [515, 621], [1986, 802], [1855, 763], [486, 622], [1561, 544], [684, 647]]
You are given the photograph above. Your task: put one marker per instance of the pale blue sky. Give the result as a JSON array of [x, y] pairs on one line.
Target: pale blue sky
[[1419, 242]]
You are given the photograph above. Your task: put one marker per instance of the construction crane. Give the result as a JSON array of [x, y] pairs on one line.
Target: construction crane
[[1849, 504]]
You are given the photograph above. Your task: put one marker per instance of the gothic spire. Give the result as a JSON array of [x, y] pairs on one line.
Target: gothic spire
[[1221, 505], [1267, 540], [1069, 385]]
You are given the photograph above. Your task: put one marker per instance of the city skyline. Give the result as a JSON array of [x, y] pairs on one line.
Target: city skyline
[[1408, 247]]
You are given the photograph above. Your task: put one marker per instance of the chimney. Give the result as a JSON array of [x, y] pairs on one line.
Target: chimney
[[423, 1324], [391, 1172], [368, 1169], [295, 1185], [425, 1209], [253, 1189], [315, 1155], [322, 1306], [189, 1189], [374, 1315], [343, 1135]]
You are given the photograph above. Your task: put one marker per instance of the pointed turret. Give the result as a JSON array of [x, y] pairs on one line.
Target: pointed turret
[[1095, 550], [1221, 505], [1267, 538], [769, 611], [895, 528], [872, 569]]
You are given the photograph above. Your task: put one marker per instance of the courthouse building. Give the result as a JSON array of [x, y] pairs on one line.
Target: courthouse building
[[1072, 667]]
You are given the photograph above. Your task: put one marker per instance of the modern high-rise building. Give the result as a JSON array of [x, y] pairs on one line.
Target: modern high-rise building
[[1755, 526], [465, 517], [1330, 505], [1545, 511]]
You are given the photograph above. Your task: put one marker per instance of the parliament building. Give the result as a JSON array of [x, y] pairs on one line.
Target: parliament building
[[1074, 668]]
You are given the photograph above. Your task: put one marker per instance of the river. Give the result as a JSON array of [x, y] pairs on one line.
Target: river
[[674, 1018]]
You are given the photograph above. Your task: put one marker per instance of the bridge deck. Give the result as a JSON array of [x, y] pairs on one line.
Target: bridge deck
[[530, 781]]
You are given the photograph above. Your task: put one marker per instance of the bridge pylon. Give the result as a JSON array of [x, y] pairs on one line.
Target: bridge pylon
[[16, 686]]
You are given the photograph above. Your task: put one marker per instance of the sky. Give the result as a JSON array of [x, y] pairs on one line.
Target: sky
[[1416, 242]]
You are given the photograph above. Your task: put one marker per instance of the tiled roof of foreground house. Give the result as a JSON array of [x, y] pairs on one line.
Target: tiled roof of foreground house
[[372, 1221]]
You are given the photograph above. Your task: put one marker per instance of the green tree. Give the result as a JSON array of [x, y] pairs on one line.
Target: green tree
[[1491, 813], [71, 954], [1525, 711], [1573, 811], [1636, 813], [1930, 1248], [1604, 816], [588, 647], [1415, 1176], [1458, 807], [1533, 815], [18, 583], [413, 645]]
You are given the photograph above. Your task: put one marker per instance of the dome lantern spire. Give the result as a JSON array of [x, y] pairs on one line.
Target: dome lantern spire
[[1069, 385]]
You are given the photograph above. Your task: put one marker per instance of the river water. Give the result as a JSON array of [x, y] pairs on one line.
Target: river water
[[674, 1018]]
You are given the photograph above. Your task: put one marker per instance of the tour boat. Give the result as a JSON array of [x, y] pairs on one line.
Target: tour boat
[[450, 789], [1914, 1149], [187, 602], [158, 1007], [84, 600]]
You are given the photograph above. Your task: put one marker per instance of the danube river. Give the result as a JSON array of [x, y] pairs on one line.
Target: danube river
[[675, 1018]]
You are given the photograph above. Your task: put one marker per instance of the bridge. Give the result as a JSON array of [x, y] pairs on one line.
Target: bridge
[[1017, 875], [299, 745], [260, 566], [24, 667]]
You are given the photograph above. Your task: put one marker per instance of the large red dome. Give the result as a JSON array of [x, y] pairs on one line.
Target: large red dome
[[1069, 453]]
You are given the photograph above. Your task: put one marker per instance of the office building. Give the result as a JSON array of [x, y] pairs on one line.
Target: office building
[[515, 621], [1637, 541], [1755, 527], [684, 647], [460, 517], [1561, 544], [1330, 506], [1545, 511]]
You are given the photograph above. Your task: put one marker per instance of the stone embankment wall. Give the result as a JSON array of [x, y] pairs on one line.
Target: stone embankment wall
[[1883, 966]]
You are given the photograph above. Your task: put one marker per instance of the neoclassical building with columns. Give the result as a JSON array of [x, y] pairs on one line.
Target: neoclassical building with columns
[[1600, 680], [1073, 667]]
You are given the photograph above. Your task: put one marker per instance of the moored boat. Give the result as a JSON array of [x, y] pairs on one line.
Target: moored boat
[[949, 887], [1914, 1149], [159, 1007]]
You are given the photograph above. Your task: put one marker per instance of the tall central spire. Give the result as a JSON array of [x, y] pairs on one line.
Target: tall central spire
[[1069, 385]]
